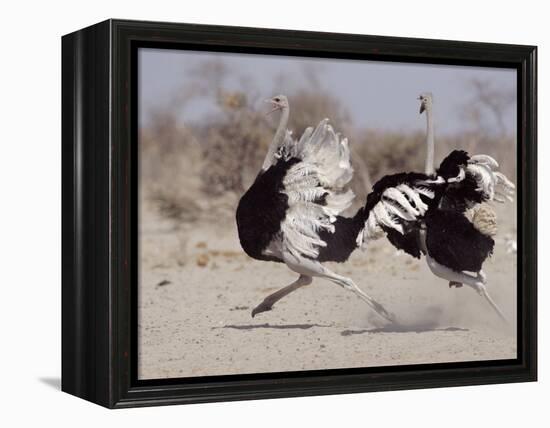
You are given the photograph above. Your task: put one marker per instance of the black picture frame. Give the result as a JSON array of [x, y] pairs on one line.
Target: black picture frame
[[99, 213]]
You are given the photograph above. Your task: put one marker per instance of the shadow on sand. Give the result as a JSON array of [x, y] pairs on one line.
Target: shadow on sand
[[402, 328], [392, 328], [274, 326]]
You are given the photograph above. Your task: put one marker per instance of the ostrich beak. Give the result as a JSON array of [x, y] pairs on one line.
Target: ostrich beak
[[422, 107]]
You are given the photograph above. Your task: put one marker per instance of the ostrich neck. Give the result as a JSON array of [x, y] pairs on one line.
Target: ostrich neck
[[277, 139], [429, 168]]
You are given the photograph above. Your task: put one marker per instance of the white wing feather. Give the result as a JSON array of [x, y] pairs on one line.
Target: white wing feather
[[394, 194], [493, 185], [384, 218], [397, 206], [315, 187], [399, 212], [414, 197], [485, 160]]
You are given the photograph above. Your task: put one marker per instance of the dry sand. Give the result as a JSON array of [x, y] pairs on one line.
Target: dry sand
[[197, 289]]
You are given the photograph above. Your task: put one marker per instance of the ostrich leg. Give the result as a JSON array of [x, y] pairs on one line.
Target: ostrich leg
[[476, 282], [270, 300], [316, 269], [348, 284]]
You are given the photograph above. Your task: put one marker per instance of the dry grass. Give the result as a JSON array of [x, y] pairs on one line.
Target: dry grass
[[233, 149]]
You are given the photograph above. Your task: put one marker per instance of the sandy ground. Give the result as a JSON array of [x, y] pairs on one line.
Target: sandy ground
[[197, 289]]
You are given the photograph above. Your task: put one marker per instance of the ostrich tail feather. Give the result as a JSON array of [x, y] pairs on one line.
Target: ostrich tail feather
[[484, 219]]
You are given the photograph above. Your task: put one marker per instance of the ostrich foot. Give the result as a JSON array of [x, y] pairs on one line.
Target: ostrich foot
[[476, 282], [455, 284], [383, 312], [262, 307], [270, 300], [482, 291]]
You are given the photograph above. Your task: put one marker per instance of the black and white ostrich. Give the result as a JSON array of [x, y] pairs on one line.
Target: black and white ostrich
[[291, 213], [441, 215]]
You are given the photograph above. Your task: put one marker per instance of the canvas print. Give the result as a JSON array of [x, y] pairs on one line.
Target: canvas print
[[303, 214]]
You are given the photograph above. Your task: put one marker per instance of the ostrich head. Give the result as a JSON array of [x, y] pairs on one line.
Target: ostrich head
[[426, 100], [278, 102]]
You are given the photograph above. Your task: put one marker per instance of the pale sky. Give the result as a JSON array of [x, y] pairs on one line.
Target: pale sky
[[377, 94]]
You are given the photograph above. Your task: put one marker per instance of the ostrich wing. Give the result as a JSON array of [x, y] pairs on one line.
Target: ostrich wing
[[315, 187], [394, 208], [482, 183]]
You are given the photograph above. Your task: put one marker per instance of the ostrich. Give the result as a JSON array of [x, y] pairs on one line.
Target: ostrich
[[460, 215], [440, 214], [291, 213]]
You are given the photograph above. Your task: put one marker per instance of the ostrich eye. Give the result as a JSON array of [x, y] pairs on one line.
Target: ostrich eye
[[277, 99]]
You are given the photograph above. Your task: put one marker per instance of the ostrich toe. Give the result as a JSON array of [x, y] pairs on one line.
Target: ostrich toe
[[262, 307]]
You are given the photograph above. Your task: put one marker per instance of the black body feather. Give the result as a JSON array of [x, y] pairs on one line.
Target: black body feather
[[262, 209], [343, 241], [450, 166], [408, 242], [460, 196], [457, 196], [453, 241]]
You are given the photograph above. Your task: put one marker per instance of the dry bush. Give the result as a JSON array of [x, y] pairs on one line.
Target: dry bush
[[391, 152], [169, 156], [309, 107], [233, 148]]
